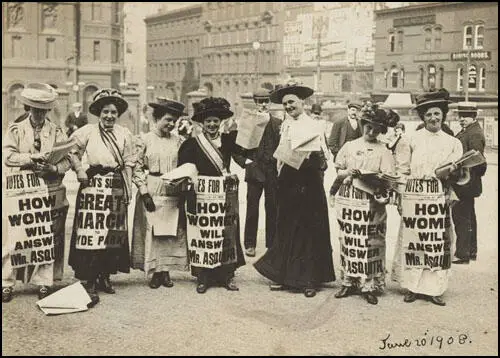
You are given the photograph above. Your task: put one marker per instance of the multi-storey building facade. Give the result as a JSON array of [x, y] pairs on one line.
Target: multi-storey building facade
[[75, 47], [174, 52], [436, 45], [241, 46]]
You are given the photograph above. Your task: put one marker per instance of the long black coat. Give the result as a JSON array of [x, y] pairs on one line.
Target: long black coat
[[472, 137]]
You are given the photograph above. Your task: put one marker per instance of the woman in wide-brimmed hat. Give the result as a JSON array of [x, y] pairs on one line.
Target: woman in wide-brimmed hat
[[367, 154], [26, 149], [430, 148], [209, 153], [157, 248], [300, 257], [99, 244]]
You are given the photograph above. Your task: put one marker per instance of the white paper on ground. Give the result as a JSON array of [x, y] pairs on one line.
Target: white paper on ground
[[70, 299]]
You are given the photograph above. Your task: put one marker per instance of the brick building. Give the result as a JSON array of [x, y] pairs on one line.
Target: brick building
[[73, 46], [241, 46], [174, 52], [425, 46]]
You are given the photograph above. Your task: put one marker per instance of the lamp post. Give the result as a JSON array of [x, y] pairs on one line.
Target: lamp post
[[256, 47]]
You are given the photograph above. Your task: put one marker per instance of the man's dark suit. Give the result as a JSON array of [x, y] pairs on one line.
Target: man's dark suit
[[464, 214], [341, 133], [72, 120], [261, 175]]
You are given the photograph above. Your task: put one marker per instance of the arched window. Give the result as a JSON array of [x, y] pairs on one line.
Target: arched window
[[437, 37], [468, 37], [392, 42], [431, 76], [460, 79], [482, 78], [441, 77], [394, 77], [479, 40], [428, 39], [421, 73], [472, 78]]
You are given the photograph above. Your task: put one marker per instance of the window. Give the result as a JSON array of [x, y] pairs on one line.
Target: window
[[460, 79], [482, 78], [467, 37], [16, 46], [421, 77], [96, 11], [472, 77], [479, 37], [97, 51], [431, 77], [392, 42], [50, 48], [428, 39], [400, 40], [441, 77], [402, 74], [437, 38], [394, 77], [115, 51]]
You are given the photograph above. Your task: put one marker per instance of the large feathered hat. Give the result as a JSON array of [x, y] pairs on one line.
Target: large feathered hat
[[291, 87], [108, 96], [211, 107]]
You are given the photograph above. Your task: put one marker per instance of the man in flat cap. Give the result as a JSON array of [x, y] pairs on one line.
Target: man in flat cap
[[345, 130], [464, 215], [261, 175]]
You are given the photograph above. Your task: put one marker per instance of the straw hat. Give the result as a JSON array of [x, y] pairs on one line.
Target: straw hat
[[38, 95], [106, 96]]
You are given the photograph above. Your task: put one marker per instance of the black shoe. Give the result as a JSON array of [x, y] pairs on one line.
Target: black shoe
[[310, 292], [7, 294], [155, 281], [167, 282], [202, 287], [410, 297], [344, 292], [460, 262], [43, 292], [91, 289], [105, 284], [370, 298], [230, 285], [437, 300]]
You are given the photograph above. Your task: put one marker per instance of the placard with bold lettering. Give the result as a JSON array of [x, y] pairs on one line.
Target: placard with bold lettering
[[101, 214], [362, 229], [35, 216], [426, 221], [212, 228]]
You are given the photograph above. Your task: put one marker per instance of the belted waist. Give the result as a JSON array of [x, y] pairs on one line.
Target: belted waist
[[156, 174], [94, 170]]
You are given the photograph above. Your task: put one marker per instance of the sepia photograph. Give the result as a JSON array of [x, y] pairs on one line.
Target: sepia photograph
[[249, 178]]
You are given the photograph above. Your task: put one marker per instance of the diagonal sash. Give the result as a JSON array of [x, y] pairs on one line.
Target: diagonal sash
[[213, 154]]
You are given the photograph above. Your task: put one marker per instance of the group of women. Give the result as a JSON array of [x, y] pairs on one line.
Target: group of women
[[115, 157]]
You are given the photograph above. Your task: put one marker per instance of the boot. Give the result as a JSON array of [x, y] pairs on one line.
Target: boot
[[155, 280], [167, 282], [202, 286], [91, 289], [43, 292], [6, 294], [230, 285], [105, 284]]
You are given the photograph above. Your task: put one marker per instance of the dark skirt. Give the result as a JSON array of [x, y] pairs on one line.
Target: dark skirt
[[301, 254], [88, 264]]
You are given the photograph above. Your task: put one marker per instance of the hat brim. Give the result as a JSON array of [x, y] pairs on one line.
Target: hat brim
[[168, 109], [466, 110], [36, 104], [378, 124], [357, 106], [300, 91], [219, 113], [95, 107], [431, 102]]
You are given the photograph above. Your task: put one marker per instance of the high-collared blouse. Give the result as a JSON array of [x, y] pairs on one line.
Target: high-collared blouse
[[430, 150], [155, 153], [19, 142], [363, 155], [88, 140]]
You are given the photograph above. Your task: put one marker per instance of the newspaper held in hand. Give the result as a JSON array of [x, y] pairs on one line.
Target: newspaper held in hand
[[251, 128], [305, 136], [180, 179], [60, 150], [470, 159], [373, 182], [288, 156]]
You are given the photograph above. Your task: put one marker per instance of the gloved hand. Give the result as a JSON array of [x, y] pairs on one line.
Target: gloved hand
[[39, 157], [148, 202]]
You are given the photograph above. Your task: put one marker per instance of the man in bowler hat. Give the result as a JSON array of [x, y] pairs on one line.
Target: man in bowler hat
[[345, 130]]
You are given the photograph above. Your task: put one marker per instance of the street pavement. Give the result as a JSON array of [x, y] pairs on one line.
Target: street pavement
[[255, 321]]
